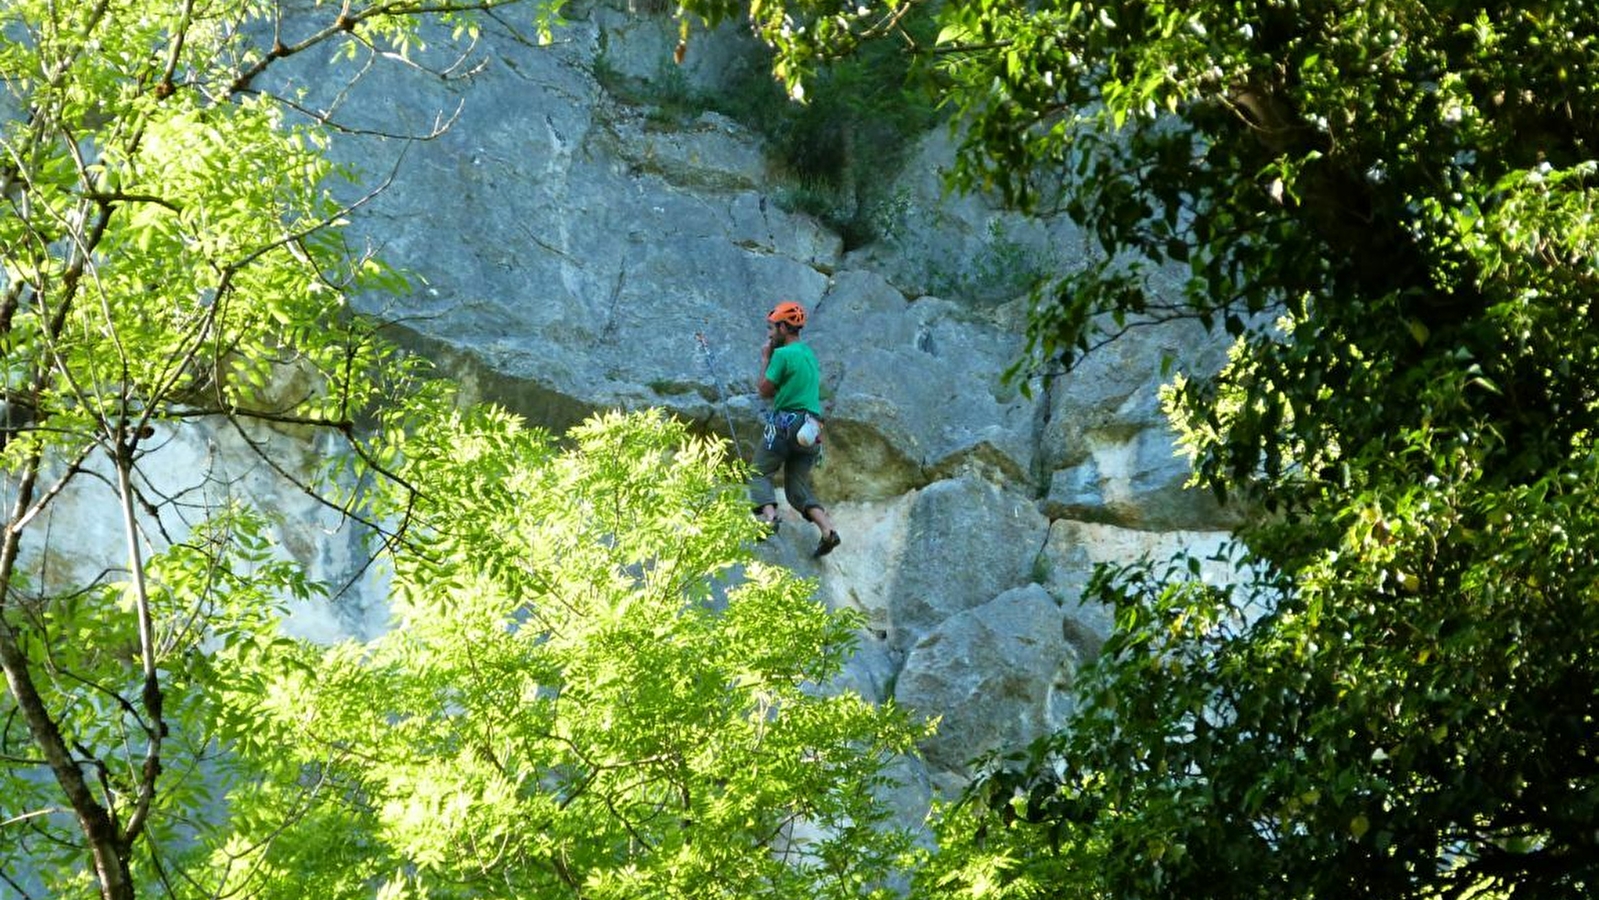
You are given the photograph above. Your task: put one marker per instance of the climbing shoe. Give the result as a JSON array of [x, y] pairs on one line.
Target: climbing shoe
[[769, 527], [829, 541]]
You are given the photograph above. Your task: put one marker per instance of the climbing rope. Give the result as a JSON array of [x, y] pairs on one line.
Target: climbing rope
[[721, 391]]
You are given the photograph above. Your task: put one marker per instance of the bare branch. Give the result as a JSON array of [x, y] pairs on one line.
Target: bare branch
[[344, 24]]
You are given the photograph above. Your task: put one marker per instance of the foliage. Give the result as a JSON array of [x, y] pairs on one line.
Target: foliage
[[861, 116], [168, 255], [1002, 269], [837, 150], [583, 696], [1389, 205], [1410, 716], [173, 264], [1404, 187]]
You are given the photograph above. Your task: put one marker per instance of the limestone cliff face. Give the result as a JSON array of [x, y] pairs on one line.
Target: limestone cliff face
[[570, 254], [578, 254]]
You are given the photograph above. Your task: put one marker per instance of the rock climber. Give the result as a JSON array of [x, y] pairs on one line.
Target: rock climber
[[791, 379]]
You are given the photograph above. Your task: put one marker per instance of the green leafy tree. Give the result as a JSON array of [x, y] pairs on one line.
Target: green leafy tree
[[1389, 206], [593, 691], [170, 253], [172, 262]]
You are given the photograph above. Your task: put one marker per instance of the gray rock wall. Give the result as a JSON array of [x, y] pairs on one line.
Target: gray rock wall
[[572, 252], [581, 252]]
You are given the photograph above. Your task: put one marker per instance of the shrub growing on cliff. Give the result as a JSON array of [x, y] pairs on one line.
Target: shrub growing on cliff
[[1389, 206], [837, 151]]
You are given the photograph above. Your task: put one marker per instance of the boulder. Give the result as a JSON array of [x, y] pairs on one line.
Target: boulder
[[995, 676]]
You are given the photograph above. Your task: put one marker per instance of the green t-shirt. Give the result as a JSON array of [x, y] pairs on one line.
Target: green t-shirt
[[798, 377]]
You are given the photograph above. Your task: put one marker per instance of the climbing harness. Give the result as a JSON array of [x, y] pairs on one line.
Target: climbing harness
[[795, 425]]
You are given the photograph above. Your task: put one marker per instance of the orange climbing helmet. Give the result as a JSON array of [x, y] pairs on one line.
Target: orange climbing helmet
[[788, 312]]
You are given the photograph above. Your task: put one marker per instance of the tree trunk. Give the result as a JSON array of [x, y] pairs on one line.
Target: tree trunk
[[105, 844]]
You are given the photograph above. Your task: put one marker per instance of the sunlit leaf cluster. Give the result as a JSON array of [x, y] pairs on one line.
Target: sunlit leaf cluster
[[593, 690]]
